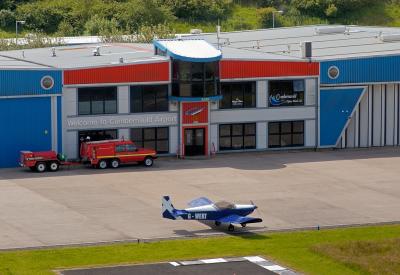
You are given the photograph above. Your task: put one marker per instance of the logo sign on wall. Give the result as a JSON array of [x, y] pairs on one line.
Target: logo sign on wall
[[285, 99], [47, 82], [194, 112]]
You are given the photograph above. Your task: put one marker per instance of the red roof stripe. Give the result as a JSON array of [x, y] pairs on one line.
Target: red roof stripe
[[231, 69], [151, 72]]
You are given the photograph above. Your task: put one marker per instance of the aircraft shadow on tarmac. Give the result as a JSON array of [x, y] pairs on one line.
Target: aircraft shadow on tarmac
[[247, 232]]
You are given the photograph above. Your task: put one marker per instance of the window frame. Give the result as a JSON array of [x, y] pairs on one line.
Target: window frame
[[293, 104], [232, 136], [156, 139], [102, 92], [154, 94], [243, 87], [190, 81], [281, 134]]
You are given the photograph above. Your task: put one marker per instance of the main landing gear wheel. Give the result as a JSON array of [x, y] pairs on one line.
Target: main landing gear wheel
[[217, 223], [231, 228], [54, 166], [103, 164], [148, 161], [40, 167], [115, 163], [243, 225]]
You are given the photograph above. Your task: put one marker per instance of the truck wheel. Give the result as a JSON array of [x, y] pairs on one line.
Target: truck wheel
[[54, 166], [148, 161], [40, 167], [115, 163], [102, 164]]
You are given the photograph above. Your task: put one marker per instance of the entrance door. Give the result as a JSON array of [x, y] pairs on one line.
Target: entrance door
[[194, 142]]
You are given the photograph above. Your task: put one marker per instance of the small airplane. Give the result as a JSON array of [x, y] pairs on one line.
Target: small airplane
[[202, 209]]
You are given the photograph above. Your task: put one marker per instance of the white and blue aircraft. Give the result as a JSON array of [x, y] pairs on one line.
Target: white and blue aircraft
[[202, 209]]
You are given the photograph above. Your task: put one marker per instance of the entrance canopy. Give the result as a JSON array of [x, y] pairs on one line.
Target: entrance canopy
[[189, 50]]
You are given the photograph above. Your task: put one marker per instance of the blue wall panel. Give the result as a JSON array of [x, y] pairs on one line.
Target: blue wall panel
[[363, 70], [19, 82], [25, 124], [337, 105]]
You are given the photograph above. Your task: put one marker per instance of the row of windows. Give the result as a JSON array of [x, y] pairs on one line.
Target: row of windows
[[239, 136], [243, 136], [154, 98]]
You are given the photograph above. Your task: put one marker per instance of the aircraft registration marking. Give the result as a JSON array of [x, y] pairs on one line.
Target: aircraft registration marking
[[200, 216]]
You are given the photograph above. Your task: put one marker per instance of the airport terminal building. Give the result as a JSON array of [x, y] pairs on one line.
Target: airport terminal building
[[303, 87]]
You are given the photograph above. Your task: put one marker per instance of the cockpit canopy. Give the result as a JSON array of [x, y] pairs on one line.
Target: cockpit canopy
[[221, 205]]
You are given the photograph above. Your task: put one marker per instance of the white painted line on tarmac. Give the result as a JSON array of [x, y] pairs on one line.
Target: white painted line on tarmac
[[274, 268], [214, 261], [255, 259], [174, 263]]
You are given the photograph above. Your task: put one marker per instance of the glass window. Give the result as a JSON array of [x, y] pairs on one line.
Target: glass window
[[286, 134], [286, 93], [130, 148], [195, 79], [152, 138], [151, 98], [120, 148], [237, 136], [238, 95], [97, 100]]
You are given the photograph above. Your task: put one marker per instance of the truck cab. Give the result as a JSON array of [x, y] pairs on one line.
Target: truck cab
[[113, 153]]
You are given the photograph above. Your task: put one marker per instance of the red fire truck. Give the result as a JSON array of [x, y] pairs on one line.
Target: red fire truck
[[100, 154], [112, 153]]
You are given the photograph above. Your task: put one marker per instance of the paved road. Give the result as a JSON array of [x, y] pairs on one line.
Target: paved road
[[238, 268], [291, 189]]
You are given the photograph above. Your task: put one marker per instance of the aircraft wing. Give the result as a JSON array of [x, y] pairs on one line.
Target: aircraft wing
[[236, 219], [200, 202]]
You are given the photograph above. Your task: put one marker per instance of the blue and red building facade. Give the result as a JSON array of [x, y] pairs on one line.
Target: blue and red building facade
[[200, 104]]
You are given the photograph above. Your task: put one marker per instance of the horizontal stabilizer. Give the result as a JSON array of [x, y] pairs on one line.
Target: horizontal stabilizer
[[200, 202], [236, 219]]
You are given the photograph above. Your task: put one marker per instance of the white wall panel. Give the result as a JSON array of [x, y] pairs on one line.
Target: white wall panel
[[261, 94], [390, 114], [269, 114], [311, 91], [351, 132], [123, 99], [309, 133], [262, 135], [70, 142], [364, 121], [214, 137], [173, 139], [377, 115]]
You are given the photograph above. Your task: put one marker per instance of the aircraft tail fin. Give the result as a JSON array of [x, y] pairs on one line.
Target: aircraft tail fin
[[168, 210]]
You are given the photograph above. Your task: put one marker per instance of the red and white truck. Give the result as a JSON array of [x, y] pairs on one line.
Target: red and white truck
[[112, 153], [99, 154]]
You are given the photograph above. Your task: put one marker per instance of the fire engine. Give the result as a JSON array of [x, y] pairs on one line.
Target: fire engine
[[100, 154], [112, 153]]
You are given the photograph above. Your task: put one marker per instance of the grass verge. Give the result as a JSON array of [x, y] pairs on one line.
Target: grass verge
[[301, 251], [373, 257]]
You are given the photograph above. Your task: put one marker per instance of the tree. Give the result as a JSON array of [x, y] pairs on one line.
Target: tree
[[201, 10], [7, 19]]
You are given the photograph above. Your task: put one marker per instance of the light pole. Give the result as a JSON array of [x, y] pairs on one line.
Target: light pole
[[16, 29], [273, 17]]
